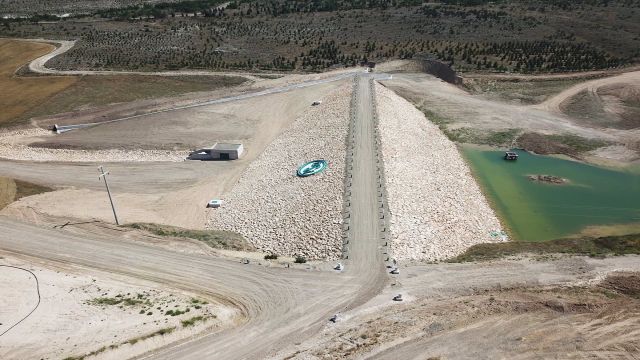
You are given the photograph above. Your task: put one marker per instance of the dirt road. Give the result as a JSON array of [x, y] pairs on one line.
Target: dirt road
[[279, 306], [554, 104], [469, 111], [365, 255], [39, 65]]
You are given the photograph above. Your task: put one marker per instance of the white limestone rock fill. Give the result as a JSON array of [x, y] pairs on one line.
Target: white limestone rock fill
[[437, 208], [282, 213]]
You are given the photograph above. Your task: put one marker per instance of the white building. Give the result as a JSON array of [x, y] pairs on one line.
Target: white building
[[219, 151]]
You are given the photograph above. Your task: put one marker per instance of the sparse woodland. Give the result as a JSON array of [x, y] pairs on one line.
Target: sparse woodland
[[288, 35]]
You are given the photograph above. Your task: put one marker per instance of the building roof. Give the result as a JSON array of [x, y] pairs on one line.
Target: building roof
[[226, 147]]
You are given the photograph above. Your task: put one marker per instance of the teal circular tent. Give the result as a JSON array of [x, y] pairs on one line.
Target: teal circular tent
[[312, 168]]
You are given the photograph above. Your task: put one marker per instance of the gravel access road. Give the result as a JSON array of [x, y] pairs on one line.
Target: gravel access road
[[365, 254]]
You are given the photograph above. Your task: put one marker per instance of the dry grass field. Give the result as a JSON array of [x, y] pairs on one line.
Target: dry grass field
[[24, 97], [18, 94], [12, 190], [93, 91]]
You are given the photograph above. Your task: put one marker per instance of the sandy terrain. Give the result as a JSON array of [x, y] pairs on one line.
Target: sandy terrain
[[165, 193], [467, 110], [437, 209], [281, 213], [555, 103], [13, 147], [237, 121], [464, 110], [506, 309], [68, 321]]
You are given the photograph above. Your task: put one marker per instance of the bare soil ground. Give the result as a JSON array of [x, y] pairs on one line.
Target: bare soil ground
[[515, 91], [176, 197], [462, 113], [616, 105], [82, 312], [245, 121], [572, 309], [12, 190]]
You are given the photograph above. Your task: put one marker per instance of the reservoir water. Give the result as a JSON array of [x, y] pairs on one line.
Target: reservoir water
[[538, 211]]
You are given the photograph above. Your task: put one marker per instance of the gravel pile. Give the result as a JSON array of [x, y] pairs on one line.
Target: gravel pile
[[13, 146], [437, 209], [288, 215]]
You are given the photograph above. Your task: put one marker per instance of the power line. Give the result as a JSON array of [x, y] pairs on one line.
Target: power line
[[103, 175]]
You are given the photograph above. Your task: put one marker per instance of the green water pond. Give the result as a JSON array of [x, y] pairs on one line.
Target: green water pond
[[538, 211]]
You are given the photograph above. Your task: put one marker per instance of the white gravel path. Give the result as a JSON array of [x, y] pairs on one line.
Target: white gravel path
[[437, 209], [281, 213], [13, 146]]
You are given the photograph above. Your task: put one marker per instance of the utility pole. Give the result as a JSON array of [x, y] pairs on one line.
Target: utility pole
[[104, 176]]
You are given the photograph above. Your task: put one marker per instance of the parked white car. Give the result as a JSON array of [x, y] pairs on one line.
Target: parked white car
[[215, 203]]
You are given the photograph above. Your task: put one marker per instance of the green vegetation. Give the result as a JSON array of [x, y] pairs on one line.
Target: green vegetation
[[161, 332], [177, 312], [300, 260], [271, 257], [472, 135], [597, 247], [460, 135], [565, 144], [506, 138], [192, 321], [577, 143], [120, 300], [310, 35], [535, 211], [214, 238]]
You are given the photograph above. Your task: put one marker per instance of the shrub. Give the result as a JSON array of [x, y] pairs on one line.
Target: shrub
[[300, 260], [271, 257]]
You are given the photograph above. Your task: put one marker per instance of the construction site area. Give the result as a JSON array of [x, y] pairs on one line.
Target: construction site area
[[342, 214]]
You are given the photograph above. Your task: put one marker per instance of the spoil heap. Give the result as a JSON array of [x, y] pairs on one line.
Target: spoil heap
[[437, 209], [288, 215]]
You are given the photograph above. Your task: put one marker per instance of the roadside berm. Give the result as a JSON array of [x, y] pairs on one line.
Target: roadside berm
[[437, 209], [281, 213]]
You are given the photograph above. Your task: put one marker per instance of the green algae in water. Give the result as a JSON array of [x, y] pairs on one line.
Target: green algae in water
[[536, 211]]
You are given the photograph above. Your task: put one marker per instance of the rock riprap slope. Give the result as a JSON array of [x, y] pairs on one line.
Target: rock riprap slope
[[288, 215], [437, 208]]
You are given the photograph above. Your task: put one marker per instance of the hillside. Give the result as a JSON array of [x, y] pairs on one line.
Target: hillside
[[521, 36]]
